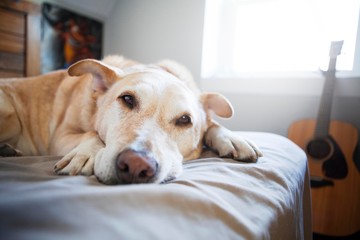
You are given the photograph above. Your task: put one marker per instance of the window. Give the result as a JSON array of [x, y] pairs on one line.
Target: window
[[264, 36]]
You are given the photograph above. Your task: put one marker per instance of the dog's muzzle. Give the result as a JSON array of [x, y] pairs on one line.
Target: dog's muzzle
[[135, 167]]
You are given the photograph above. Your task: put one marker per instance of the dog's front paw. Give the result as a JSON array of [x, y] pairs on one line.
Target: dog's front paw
[[81, 159], [6, 150], [231, 144], [75, 163]]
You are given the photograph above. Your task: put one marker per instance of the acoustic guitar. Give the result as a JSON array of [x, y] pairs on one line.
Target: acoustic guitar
[[330, 146]]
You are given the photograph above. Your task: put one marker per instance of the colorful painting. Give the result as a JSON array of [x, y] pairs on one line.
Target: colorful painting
[[67, 37]]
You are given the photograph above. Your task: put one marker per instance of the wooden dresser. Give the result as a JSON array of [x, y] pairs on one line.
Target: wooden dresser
[[19, 38]]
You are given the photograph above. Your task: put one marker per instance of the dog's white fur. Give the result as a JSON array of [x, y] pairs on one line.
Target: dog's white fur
[[86, 116]]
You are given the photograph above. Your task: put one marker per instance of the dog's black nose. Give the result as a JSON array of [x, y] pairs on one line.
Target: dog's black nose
[[135, 167]]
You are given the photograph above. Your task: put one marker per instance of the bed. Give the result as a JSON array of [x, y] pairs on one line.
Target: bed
[[214, 198]]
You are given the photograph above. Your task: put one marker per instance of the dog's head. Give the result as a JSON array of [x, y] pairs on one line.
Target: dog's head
[[149, 119]]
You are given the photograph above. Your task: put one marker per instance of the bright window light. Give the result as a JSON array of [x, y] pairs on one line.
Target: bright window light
[[276, 35]]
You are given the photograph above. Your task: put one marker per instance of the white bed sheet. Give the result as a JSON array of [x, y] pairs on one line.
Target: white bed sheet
[[214, 198]]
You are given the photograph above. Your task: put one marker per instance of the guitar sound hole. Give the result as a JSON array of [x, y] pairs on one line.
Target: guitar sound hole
[[318, 148]]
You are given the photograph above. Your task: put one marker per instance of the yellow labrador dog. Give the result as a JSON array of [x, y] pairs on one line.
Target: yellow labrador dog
[[122, 121]]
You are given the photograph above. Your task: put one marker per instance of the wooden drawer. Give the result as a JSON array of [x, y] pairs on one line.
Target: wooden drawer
[[12, 22], [10, 74], [12, 62], [11, 43], [19, 38]]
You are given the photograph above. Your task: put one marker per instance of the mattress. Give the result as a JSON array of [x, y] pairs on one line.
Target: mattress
[[214, 198]]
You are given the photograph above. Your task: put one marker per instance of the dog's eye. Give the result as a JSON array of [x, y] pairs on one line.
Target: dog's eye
[[184, 120], [128, 100]]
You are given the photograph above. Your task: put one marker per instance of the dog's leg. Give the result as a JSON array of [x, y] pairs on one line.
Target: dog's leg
[[229, 144], [80, 160], [6, 150], [10, 127]]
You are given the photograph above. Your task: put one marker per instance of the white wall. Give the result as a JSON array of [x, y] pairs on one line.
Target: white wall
[[151, 30], [275, 113], [272, 104]]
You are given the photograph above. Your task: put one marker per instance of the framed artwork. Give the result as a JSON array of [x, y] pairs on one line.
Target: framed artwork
[[67, 37]]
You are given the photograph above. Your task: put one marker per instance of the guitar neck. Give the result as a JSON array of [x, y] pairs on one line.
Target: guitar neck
[[324, 113], [323, 118]]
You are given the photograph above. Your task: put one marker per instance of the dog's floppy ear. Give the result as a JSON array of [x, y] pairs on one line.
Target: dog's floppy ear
[[103, 75], [218, 104]]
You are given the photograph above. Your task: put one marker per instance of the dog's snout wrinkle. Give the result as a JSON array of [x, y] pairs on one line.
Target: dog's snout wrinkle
[[135, 167]]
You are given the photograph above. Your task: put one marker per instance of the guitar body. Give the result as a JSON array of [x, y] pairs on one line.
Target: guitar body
[[335, 179]]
